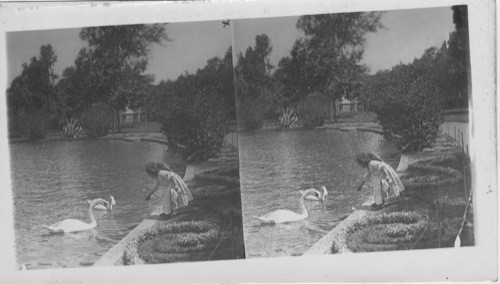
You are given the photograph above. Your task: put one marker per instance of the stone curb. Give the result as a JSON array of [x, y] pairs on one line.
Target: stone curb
[[114, 256], [323, 246]]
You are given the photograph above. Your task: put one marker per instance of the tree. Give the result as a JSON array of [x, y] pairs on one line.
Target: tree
[[254, 83], [332, 52], [76, 89], [290, 74], [218, 75], [119, 56], [458, 48], [31, 96]]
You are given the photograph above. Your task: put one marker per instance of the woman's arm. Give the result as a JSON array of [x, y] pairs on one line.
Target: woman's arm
[[366, 177], [154, 188], [360, 186]]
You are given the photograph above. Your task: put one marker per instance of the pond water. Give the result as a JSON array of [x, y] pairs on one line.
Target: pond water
[[275, 165], [52, 180]]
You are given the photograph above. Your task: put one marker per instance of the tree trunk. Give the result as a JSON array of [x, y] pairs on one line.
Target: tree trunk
[[331, 110], [118, 121], [334, 111]]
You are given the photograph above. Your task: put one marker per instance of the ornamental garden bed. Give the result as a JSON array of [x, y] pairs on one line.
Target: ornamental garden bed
[[388, 231]]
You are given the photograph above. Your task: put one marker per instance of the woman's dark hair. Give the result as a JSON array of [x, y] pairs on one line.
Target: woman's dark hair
[[364, 159], [154, 168]]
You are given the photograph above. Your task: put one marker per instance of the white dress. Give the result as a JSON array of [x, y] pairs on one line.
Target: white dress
[[176, 193], [386, 181]]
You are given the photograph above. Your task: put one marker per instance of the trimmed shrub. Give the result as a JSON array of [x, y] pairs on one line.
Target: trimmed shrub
[[393, 231], [195, 125], [407, 102], [412, 124], [313, 111], [97, 120]]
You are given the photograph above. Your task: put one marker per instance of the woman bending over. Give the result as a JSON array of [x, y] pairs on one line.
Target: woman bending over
[[176, 193], [387, 180]]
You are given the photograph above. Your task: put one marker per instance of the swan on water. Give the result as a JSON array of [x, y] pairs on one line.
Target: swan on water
[[318, 195], [285, 216], [107, 204], [73, 225]]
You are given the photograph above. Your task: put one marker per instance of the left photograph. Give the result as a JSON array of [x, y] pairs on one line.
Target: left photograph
[[123, 145]]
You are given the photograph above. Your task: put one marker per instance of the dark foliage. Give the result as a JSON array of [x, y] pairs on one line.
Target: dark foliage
[[97, 120], [313, 111], [254, 85]]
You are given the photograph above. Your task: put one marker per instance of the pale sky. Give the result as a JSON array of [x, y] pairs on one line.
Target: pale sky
[[408, 33]]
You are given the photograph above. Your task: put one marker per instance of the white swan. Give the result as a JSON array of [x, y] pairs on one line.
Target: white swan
[[285, 216], [318, 195], [107, 204], [73, 225]]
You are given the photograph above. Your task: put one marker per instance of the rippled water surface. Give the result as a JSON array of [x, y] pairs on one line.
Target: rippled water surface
[[52, 180], [275, 165]]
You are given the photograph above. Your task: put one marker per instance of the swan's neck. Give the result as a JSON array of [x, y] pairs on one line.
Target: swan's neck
[[93, 221], [303, 205]]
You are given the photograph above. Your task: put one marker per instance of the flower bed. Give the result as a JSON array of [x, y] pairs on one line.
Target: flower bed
[[393, 231], [214, 191], [173, 242], [432, 172], [230, 175], [218, 183]]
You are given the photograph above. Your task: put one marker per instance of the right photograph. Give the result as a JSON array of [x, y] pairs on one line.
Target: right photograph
[[353, 131]]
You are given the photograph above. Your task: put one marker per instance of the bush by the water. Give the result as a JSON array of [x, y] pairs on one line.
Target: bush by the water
[[195, 125], [407, 101], [413, 125], [251, 113], [393, 231], [313, 111], [97, 120], [173, 242]]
